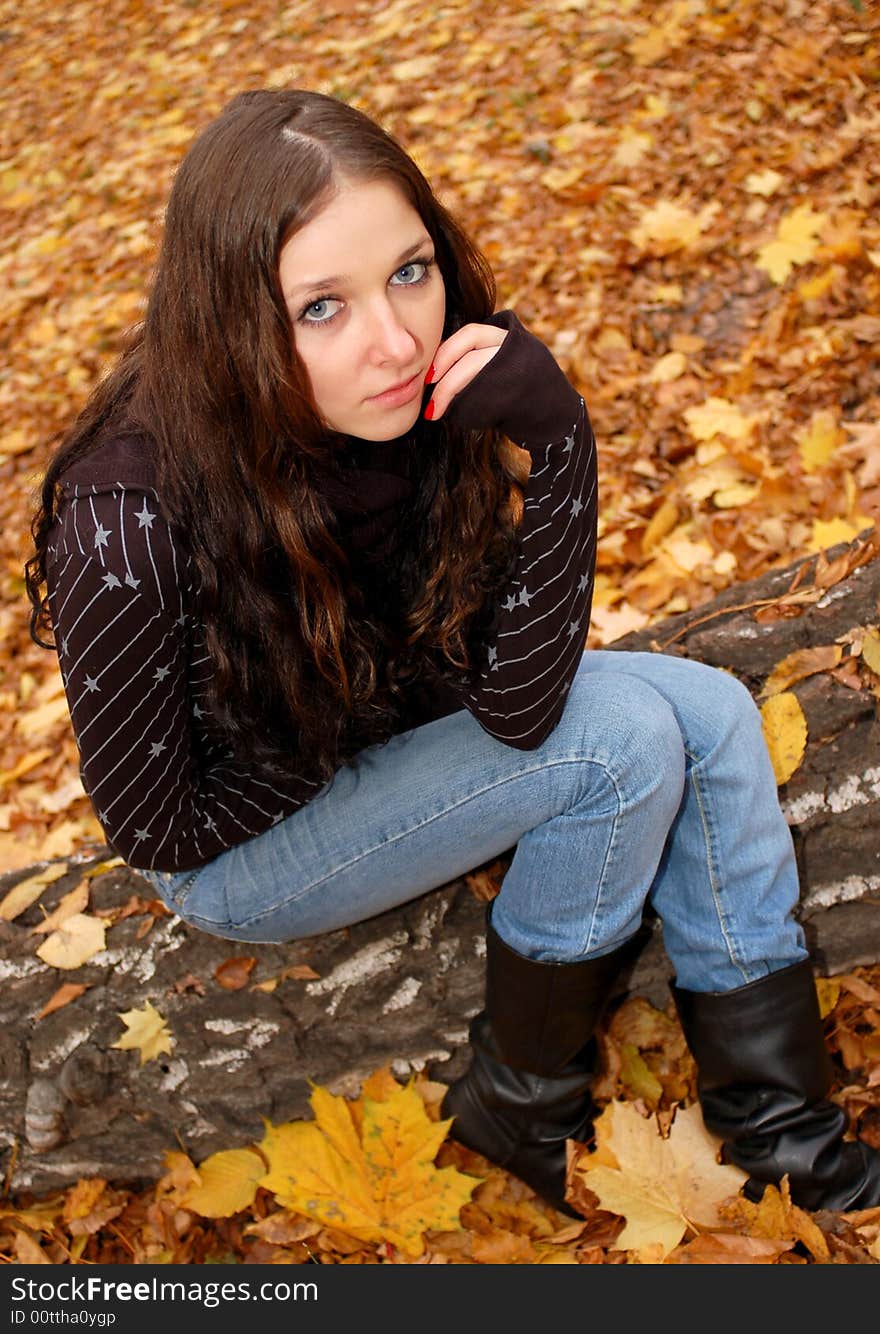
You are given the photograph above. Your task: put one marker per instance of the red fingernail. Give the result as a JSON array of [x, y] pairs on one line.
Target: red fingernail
[[429, 410], [429, 377]]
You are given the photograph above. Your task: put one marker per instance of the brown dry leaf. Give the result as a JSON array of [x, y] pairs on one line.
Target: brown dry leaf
[[189, 983], [300, 972], [800, 664], [28, 1251], [775, 1217], [233, 973], [24, 765], [498, 1247], [67, 992], [727, 1248], [36, 722]]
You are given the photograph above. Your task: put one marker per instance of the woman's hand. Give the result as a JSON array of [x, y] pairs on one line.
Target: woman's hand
[[458, 360]]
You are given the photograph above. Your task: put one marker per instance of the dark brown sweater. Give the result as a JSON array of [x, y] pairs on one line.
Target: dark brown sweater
[[165, 785]]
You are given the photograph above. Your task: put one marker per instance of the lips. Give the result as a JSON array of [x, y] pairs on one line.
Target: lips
[[397, 388], [399, 395]]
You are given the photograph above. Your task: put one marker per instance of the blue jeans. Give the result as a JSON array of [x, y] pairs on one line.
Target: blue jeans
[[655, 786]]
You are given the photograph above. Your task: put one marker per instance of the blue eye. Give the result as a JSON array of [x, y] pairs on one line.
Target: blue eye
[[408, 275], [316, 312]]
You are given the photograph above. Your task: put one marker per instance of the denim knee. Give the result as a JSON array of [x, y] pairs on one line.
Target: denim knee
[[731, 710], [640, 746]]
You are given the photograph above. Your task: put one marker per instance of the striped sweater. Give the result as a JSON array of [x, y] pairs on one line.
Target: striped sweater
[[166, 788]]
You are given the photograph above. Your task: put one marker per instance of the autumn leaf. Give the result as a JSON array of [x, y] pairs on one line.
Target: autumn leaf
[[870, 653], [729, 1248], [232, 974], [718, 416], [27, 891], [76, 901], [796, 242], [785, 732], [764, 183], [147, 1033], [662, 1187], [796, 666], [379, 1182], [226, 1183], [67, 992], [819, 441], [667, 226], [775, 1217], [77, 940], [829, 532]]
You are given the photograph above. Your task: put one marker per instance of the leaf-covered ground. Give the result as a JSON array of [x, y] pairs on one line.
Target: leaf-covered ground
[[377, 1179], [679, 196]]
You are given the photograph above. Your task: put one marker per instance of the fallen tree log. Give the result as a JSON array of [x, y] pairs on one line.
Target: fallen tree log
[[249, 1036]]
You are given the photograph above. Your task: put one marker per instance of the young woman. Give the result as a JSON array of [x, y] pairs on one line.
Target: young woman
[[323, 646]]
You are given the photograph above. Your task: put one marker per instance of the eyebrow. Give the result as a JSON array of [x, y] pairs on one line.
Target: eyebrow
[[321, 283]]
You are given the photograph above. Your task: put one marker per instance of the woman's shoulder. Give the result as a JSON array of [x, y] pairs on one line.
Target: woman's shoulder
[[121, 459]]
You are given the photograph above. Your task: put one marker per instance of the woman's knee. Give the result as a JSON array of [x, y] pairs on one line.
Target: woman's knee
[[728, 706], [632, 731]]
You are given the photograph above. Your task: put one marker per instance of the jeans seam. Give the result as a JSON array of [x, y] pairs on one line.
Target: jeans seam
[[600, 881], [710, 863], [414, 828]]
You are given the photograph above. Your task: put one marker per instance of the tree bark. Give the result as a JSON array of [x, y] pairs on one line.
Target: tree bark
[[399, 989]]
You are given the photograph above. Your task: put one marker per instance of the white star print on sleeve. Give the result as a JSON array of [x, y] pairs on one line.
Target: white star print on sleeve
[[543, 616], [130, 674]]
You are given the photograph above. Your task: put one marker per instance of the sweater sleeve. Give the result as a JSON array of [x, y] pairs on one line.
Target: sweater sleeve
[[167, 793], [541, 624]]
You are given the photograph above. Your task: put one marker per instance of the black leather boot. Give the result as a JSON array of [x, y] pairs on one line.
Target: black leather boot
[[763, 1079], [527, 1089]]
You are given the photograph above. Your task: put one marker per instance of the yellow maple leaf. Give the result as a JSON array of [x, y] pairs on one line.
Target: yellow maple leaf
[[785, 732], [79, 938], [718, 416], [227, 1182], [667, 226], [662, 1187], [818, 443], [376, 1181], [147, 1033], [796, 242], [829, 532]]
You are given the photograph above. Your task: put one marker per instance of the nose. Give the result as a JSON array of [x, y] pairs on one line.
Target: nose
[[389, 338]]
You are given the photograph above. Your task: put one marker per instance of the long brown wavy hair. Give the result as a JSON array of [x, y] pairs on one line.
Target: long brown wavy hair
[[308, 669]]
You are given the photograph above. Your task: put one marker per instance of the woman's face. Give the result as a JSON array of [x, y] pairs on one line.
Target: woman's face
[[367, 304]]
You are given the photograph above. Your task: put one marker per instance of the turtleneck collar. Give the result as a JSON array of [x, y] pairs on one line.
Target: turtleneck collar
[[368, 488]]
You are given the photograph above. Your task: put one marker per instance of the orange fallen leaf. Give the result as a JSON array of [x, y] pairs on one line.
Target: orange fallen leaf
[[233, 974], [67, 992]]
